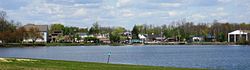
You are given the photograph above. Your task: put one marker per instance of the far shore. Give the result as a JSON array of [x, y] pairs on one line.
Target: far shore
[[115, 44]]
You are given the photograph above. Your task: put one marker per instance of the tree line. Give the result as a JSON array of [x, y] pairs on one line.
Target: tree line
[[13, 32], [184, 30]]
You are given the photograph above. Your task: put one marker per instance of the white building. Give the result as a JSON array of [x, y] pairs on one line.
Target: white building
[[237, 35], [197, 39], [142, 37], [43, 29]]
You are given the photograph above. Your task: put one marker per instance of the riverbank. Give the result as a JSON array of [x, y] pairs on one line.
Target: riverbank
[[114, 44], [42, 64], [47, 44]]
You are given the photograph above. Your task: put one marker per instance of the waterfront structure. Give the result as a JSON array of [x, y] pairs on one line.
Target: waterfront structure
[[238, 35], [197, 39], [155, 38], [104, 38], [43, 30], [55, 35]]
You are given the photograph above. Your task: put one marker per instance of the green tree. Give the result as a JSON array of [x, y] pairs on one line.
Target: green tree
[[91, 39], [95, 29], [135, 32], [70, 30], [83, 30], [55, 27], [116, 35], [114, 38]]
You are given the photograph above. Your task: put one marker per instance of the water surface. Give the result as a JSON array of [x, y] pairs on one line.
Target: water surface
[[198, 56]]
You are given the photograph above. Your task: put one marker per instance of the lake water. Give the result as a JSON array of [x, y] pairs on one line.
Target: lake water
[[191, 56]]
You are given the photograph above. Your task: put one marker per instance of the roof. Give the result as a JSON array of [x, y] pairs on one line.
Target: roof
[[240, 32], [153, 36], [141, 36], [42, 28]]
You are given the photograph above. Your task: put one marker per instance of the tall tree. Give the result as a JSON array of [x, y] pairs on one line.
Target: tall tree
[[5, 25], [7, 29], [95, 29], [135, 32], [116, 35]]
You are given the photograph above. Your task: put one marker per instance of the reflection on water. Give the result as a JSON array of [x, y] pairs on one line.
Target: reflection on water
[[198, 56]]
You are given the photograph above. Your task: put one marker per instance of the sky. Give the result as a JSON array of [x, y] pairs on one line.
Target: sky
[[125, 13]]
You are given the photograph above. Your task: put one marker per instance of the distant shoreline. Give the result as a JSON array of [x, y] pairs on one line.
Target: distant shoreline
[[95, 44]]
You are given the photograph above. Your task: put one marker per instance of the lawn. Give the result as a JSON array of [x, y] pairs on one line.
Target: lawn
[[42, 64]]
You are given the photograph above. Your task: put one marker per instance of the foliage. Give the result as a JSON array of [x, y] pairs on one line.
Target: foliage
[[116, 35], [242, 42], [105, 30], [114, 38], [70, 30], [83, 30], [56, 26], [91, 39], [34, 34], [135, 32], [95, 29], [8, 30]]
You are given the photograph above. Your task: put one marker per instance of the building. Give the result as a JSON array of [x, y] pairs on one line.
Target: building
[[54, 36], [104, 38], [210, 38], [43, 30], [155, 38], [238, 35], [128, 35], [83, 35], [197, 39], [142, 37]]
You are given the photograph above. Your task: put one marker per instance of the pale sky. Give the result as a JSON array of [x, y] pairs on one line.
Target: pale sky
[[125, 13]]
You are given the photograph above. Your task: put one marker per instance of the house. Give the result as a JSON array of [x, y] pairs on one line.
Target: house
[[142, 37], [197, 39], [238, 35], [43, 30], [54, 36], [210, 38], [67, 39], [171, 39], [128, 35], [136, 41], [83, 35], [103, 38], [155, 38]]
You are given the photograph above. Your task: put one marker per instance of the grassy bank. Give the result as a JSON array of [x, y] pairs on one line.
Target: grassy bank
[[41, 64]]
